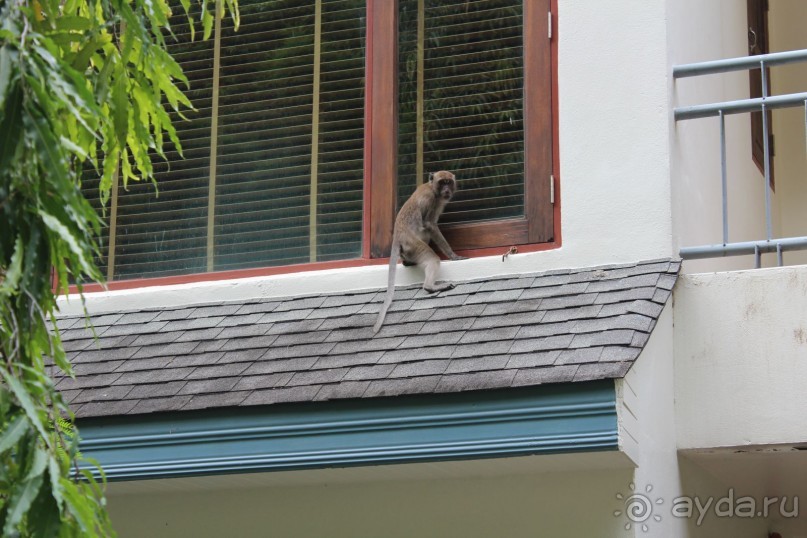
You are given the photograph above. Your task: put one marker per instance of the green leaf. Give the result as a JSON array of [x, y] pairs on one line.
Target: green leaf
[[207, 23], [72, 94], [6, 69], [65, 40], [128, 41], [72, 147], [12, 434], [232, 7], [13, 272], [39, 464], [49, 150], [80, 90], [70, 240], [126, 168], [11, 126], [73, 23], [24, 397], [82, 58], [45, 520], [59, 357], [20, 501], [5, 401], [165, 121], [186, 6], [120, 107], [78, 505], [55, 472], [107, 63], [170, 66]]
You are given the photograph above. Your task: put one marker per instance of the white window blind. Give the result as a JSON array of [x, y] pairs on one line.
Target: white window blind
[[287, 141], [461, 103]]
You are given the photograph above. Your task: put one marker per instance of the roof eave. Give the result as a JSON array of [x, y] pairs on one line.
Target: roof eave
[[557, 418]]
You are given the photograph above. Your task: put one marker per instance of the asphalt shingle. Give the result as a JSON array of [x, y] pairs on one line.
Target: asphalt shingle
[[340, 391], [515, 330]]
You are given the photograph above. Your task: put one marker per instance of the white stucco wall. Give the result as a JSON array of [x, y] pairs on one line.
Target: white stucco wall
[[786, 24], [648, 412], [614, 153], [741, 358], [614, 166], [552, 504], [700, 31], [699, 483], [647, 428]]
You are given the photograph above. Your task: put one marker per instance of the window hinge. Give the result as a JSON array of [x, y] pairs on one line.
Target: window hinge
[[552, 189], [549, 24]]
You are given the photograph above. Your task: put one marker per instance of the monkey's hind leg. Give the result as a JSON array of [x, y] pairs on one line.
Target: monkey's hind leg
[[431, 263]]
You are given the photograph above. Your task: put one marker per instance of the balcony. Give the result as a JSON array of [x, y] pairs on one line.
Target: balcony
[[740, 309], [741, 358], [741, 335], [757, 215]]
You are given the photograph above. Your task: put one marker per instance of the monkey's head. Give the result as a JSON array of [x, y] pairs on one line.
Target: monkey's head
[[444, 184]]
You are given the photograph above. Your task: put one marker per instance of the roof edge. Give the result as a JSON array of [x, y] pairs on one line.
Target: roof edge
[[569, 417]]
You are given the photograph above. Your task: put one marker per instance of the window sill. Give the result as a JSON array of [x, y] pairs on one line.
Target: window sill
[[140, 283]]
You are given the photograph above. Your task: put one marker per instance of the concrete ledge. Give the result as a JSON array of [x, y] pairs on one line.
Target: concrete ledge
[[741, 358]]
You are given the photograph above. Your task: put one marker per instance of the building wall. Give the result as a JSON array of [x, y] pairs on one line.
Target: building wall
[[785, 22], [697, 482], [551, 504], [614, 153], [614, 166], [647, 429], [649, 412], [569, 503], [701, 31], [741, 358]]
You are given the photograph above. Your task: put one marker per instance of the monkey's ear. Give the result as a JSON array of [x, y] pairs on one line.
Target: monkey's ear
[[431, 176]]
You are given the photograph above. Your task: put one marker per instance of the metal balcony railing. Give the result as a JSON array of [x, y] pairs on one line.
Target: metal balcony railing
[[720, 110]]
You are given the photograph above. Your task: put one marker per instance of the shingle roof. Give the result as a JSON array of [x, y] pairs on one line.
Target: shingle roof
[[527, 329]]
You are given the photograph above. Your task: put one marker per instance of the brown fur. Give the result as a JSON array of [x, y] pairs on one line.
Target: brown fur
[[415, 227]]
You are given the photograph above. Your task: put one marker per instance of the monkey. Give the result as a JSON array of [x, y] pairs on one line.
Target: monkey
[[415, 226]]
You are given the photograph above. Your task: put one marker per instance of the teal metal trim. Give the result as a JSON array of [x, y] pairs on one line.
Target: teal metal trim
[[546, 419]]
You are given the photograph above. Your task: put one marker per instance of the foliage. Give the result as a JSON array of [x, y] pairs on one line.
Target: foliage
[[78, 79]]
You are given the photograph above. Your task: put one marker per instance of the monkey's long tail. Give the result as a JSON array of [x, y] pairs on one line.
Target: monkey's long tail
[[393, 263]]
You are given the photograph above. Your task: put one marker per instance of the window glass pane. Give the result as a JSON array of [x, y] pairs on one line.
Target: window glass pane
[[460, 103], [341, 130], [165, 234], [264, 147], [290, 101], [268, 97]]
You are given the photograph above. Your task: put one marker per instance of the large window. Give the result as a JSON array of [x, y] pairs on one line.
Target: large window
[[316, 120]]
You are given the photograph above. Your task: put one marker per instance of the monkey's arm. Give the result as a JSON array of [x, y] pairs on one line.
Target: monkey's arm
[[441, 243]]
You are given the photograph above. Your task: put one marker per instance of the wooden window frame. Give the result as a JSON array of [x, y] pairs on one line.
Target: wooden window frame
[[538, 230], [538, 225]]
